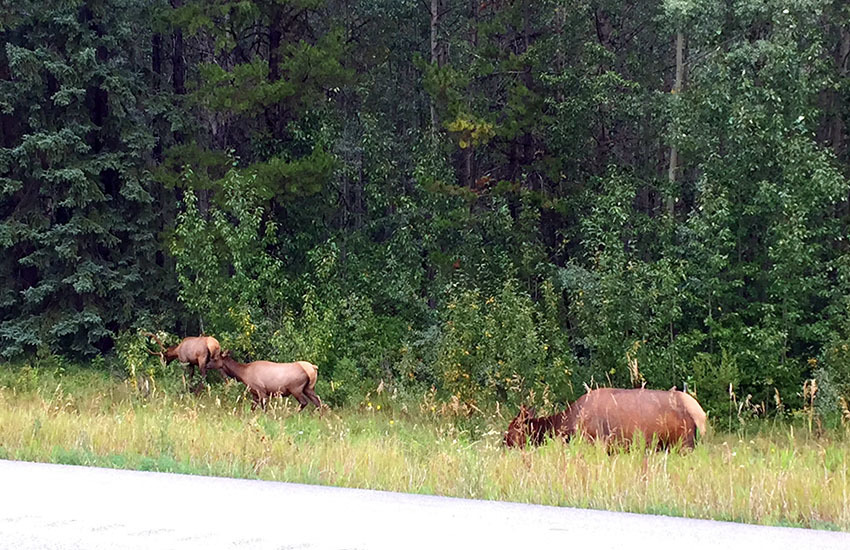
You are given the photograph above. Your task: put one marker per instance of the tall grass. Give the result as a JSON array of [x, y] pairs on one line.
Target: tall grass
[[769, 473]]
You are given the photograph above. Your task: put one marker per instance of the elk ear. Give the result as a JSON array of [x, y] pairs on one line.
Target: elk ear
[[526, 412]]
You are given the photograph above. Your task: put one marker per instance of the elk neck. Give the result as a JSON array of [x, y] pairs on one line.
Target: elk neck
[[559, 424], [233, 368]]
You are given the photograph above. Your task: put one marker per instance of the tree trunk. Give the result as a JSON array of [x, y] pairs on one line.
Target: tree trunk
[[469, 170], [436, 57], [839, 128], [156, 84], [178, 66], [275, 37], [527, 80], [156, 60], [604, 33], [674, 153]]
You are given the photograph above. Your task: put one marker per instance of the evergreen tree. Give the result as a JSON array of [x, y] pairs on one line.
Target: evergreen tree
[[78, 230]]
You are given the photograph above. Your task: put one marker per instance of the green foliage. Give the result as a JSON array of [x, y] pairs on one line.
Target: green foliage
[[496, 347], [712, 380], [281, 179], [78, 231], [762, 230], [352, 184], [470, 131], [224, 266], [833, 376], [630, 290]]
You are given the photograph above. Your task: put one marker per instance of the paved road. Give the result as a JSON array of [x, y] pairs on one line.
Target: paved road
[[45, 506]]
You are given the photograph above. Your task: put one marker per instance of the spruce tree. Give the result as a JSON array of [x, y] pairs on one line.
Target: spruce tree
[[78, 221]]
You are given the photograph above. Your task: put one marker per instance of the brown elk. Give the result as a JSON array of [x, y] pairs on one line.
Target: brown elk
[[615, 416], [266, 379], [194, 350]]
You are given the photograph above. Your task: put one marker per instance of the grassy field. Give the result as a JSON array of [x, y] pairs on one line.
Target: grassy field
[[766, 473]]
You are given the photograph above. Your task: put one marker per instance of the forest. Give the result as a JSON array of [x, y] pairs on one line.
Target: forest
[[499, 201]]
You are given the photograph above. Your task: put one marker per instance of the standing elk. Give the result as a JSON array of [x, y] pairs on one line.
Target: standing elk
[[615, 416], [265, 379], [194, 350]]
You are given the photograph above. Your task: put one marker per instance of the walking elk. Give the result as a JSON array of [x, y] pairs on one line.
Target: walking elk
[[265, 379]]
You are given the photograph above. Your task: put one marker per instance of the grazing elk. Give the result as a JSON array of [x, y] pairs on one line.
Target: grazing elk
[[615, 416], [194, 350], [265, 379]]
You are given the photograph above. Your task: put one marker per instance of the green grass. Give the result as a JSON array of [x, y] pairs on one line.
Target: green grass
[[774, 475]]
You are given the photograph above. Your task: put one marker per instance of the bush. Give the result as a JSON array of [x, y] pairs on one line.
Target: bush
[[711, 378], [833, 381], [496, 347]]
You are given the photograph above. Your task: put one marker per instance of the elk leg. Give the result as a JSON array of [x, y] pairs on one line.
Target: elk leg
[[190, 367], [256, 400], [689, 440], [312, 396], [262, 398], [202, 365], [300, 397]]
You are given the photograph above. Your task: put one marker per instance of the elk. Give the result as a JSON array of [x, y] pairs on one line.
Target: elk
[[194, 350], [266, 379], [615, 416]]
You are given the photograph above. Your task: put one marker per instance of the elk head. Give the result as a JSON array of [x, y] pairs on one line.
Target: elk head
[[518, 429], [220, 363]]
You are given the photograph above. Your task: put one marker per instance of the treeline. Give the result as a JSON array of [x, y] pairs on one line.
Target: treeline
[[488, 197]]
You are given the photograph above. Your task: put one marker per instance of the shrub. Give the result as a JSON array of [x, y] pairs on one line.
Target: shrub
[[496, 347]]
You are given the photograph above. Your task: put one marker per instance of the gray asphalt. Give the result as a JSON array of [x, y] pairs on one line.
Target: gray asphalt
[[48, 506]]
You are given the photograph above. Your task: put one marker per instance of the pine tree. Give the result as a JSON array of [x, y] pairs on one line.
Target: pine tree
[[268, 70]]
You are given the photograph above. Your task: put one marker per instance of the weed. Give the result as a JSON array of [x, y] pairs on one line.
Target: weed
[[762, 472]]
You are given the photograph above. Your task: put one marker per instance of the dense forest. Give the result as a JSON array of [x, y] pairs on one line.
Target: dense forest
[[502, 200]]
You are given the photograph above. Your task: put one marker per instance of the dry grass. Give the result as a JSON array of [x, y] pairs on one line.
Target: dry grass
[[777, 476]]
